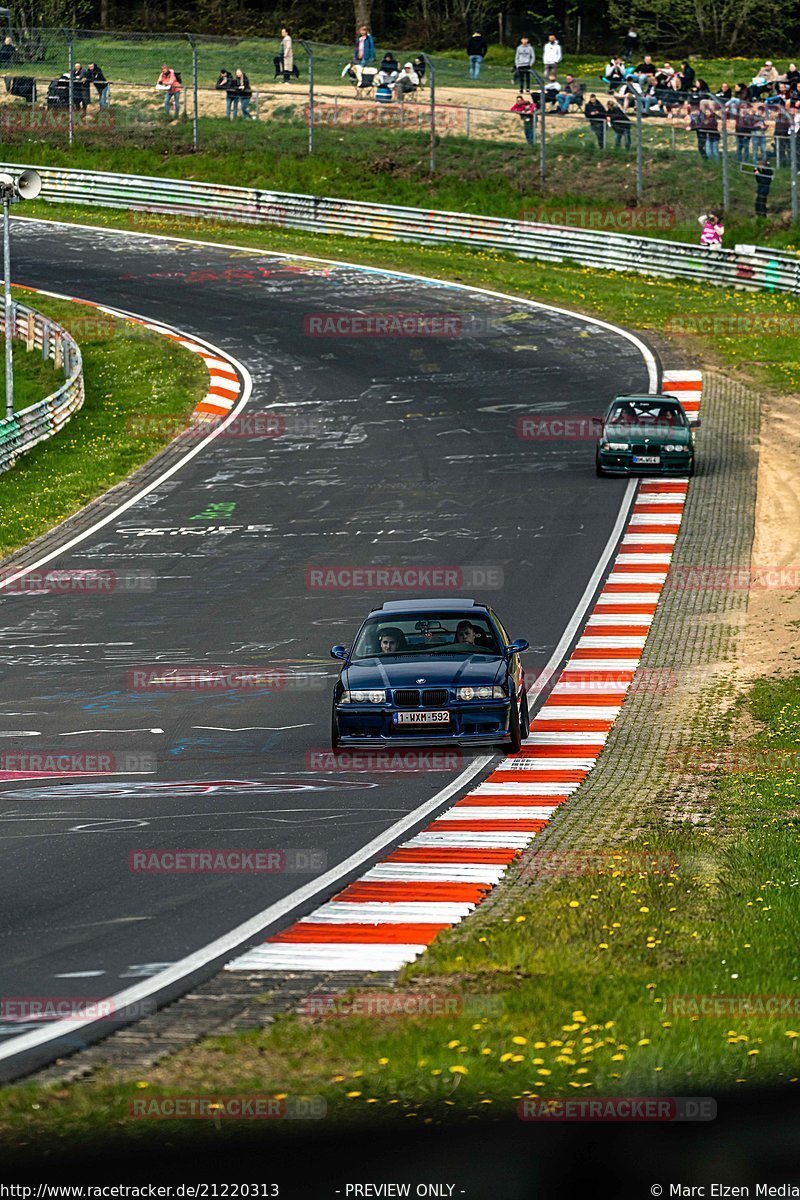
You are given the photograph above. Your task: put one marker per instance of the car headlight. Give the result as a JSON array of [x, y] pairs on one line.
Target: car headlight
[[361, 696], [678, 449], [613, 445], [481, 693]]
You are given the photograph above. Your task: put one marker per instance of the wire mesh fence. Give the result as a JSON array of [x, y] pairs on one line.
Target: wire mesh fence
[[78, 87]]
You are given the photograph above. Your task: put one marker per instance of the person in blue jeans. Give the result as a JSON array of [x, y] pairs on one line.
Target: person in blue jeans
[[569, 94], [169, 83], [620, 122], [476, 52], [227, 84]]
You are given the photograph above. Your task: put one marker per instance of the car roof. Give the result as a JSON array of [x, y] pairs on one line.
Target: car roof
[[450, 604], [648, 399]]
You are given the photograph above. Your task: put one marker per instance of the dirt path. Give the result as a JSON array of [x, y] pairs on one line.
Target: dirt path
[[772, 631]]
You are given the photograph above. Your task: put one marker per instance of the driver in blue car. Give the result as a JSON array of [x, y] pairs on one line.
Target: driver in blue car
[[392, 641]]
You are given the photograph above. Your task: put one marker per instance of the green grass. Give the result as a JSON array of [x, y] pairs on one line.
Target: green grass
[[33, 378], [582, 991], [130, 374], [494, 178]]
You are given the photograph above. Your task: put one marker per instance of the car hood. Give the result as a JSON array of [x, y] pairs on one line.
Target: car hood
[[439, 671], [678, 436]]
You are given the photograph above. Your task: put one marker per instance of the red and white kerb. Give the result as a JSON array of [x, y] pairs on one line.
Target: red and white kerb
[[386, 918]]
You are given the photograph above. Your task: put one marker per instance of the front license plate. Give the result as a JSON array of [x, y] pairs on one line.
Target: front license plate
[[646, 458], [421, 718]]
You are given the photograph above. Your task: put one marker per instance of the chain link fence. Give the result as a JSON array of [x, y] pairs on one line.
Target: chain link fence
[[77, 87]]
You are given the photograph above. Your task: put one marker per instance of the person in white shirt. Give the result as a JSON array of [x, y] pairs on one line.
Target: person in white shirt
[[551, 53]]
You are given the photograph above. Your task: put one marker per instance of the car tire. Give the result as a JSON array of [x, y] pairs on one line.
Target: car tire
[[598, 470], [515, 729], [526, 717], [690, 472], [334, 732]]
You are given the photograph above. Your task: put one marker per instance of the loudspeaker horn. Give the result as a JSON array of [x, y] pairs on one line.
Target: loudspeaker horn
[[29, 185]]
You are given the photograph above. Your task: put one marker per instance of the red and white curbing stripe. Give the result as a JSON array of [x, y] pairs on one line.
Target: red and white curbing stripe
[[386, 918], [686, 386], [224, 385]]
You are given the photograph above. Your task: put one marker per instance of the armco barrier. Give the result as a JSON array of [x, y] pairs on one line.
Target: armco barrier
[[41, 420], [745, 267]]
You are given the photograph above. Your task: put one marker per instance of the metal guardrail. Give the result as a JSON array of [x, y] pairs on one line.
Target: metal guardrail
[[746, 267], [46, 417]]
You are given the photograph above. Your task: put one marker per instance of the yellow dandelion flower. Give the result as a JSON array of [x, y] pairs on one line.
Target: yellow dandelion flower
[[518, 1040], [459, 1070]]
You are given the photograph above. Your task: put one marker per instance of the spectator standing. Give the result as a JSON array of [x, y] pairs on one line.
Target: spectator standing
[[744, 130], [694, 122], [244, 92], [712, 231], [170, 85], [227, 84], [287, 55], [764, 175], [95, 76], [526, 110], [552, 53], [710, 124], [758, 138], [783, 123], [687, 77], [524, 59], [8, 52], [80, 87], [620, 122], [476, 53], [364, 52], [630, 44], [595, 113]]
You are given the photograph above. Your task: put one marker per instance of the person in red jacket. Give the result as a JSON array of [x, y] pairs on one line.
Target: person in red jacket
[[170, 85]]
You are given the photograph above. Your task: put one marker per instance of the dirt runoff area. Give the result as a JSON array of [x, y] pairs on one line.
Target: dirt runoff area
[[771, 643]]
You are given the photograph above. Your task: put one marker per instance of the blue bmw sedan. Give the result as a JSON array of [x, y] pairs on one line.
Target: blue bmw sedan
[[430, 672]]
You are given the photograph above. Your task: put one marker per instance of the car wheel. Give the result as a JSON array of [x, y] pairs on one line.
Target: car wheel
[[514, 729], [334, 732], [690, 472], [598, 470]]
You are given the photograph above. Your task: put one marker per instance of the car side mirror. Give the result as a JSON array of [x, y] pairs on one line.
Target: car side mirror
[[696, 424], [516, 647], [339, 652]]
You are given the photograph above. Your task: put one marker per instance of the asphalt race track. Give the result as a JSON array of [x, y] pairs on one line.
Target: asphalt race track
[[390, 451]]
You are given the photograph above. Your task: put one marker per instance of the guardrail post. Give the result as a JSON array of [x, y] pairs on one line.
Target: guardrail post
[[308, 51], [192, 40], [71, 85], [432, 69], [793, 169], [639, 150]]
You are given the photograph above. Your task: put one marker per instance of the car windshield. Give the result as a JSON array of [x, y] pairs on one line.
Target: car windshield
[[644, 413], [424, 634]]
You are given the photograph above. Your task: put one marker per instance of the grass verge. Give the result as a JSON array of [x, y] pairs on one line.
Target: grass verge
[[499, 178], [33, 378], [130, 373]]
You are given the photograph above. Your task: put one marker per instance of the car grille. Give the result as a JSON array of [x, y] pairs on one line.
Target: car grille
[[410, 697], [640, 448]]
